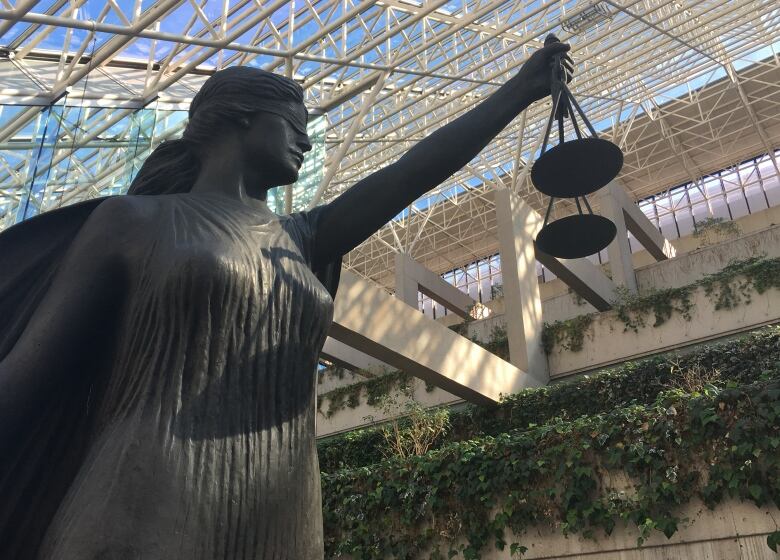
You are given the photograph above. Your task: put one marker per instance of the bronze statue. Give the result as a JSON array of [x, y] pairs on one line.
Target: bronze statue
[[158, 351]]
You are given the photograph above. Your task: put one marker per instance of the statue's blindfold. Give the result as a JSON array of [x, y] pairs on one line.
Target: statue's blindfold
[[292, 111]]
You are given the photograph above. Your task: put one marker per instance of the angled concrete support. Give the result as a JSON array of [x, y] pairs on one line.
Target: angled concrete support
[[616, 205], [411, 277], [376, 323], [351, 358], [585, 278]]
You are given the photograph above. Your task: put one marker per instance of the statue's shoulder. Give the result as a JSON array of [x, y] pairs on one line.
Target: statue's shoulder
[[124, 212]]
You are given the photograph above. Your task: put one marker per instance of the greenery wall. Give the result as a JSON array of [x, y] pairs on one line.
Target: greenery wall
[[705, 425]]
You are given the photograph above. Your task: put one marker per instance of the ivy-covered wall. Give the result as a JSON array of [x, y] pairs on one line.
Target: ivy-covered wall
[[749, 358], [704, 426]]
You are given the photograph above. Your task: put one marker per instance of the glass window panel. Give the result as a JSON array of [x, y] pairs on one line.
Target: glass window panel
[[684, 222], [730, 179], [694, 194], [485, 287], [712, 186], [719, 208], [756, 198], [772, 190], [700, 211], [668, 227], [737, 203]]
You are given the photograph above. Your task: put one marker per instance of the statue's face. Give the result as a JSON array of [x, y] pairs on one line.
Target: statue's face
[[273, 149]]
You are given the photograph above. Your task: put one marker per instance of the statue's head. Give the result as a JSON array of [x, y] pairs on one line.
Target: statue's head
[[263, 110]]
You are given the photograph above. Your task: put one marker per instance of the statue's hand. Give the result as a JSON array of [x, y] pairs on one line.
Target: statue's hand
[[534, 76]]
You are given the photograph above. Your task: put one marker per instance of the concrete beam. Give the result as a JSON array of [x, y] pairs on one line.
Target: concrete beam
[[411, 277], [369, 319], [351, 358], [584, 278]]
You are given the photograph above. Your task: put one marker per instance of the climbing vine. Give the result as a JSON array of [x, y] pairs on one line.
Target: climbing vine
[[374, 389], [569, 334], [632, 309], [711, 229], [498, 343], [734, 284]]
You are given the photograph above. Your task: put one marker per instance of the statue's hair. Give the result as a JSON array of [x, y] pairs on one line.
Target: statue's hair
[[224, 99]]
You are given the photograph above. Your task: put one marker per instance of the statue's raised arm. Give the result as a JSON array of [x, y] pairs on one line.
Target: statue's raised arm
[[374, 200]]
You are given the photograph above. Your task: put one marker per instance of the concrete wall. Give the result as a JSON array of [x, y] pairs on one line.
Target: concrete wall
[[695, 264], [752, 223], [686, 268], [607, 342], [330, 381], [733, 531]]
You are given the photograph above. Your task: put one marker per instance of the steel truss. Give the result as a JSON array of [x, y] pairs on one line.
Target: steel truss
[[684, 87]]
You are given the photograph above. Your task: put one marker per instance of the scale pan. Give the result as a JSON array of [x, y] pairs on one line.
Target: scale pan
[[576, 236], [577, 167]]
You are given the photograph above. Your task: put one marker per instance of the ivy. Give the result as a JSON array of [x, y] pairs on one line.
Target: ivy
[[331, 371], [374, 389], [734, 284], [349, 395], [465, 497], [710, 229], [752, 357], [498, 343], [727, 289], [632, 309], [569, 334]]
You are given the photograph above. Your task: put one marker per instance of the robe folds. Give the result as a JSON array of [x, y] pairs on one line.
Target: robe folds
[[195, 440]]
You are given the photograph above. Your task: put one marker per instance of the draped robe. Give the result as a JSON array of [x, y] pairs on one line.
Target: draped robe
[[195, 438]]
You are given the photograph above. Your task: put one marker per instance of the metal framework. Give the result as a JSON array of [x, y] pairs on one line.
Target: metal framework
[[685, 87]]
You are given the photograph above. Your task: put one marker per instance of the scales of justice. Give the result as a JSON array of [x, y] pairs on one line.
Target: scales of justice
[[573, 169]]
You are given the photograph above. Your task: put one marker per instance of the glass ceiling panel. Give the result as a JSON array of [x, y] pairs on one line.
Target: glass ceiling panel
[[661, 77]]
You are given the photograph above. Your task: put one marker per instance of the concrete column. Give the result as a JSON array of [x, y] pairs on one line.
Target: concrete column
[[406, 287], [620, 262], [517, 225]]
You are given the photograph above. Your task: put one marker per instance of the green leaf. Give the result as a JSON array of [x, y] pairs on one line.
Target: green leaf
[[516, 549], [772, 540]]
